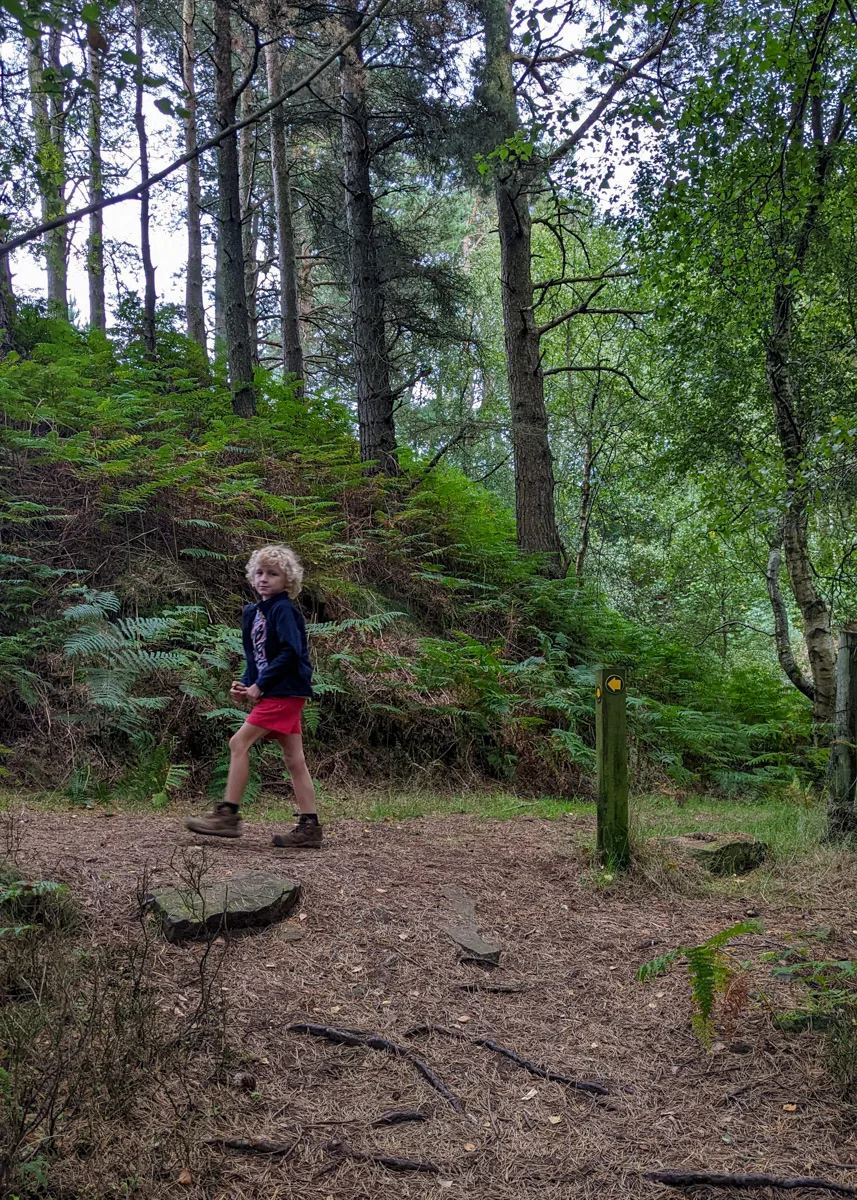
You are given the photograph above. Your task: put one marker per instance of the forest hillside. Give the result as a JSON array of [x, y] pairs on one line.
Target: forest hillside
[[530, 329], [132, 499]]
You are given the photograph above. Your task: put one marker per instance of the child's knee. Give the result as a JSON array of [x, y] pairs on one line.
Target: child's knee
[[237, 744], [294, 759]]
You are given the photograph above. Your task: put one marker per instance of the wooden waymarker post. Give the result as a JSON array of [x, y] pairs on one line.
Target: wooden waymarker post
[[611, 748], [842, 772]]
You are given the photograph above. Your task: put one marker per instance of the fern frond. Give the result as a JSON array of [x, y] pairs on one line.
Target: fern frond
[[726, 935], [658, 966]]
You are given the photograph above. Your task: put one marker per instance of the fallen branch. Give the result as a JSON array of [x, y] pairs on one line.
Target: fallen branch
[[534, 1069], [400, 1116], [352, 1037], [247, 1146], [494, 987], [382, 1160], [697, 1178]]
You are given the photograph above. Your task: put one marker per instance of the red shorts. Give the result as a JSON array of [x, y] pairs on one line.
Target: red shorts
[[279, 714]]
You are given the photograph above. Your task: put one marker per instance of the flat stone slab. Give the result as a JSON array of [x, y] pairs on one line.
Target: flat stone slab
[[463, 930], [723, 853], [247, 899]]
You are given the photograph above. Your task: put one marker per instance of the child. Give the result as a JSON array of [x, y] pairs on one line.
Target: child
[[278, 681]]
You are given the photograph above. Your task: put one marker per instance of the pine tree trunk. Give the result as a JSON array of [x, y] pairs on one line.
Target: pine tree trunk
[[219, 297], [194, 298], [375, 401], [534, 479], [149, 294], [249, 216], [7, 299], [817, 631], [290, 332], [95, 241], [49, 129], [584, 515], [236, 321]]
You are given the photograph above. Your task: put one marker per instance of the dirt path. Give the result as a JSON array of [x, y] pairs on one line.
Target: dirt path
[[372, 956]]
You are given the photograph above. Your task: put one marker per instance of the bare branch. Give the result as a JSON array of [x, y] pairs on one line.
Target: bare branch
[[574, 279], [580, 309], [655, 50], [598, 368]]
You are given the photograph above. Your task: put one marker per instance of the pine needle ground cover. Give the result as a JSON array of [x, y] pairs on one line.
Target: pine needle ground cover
[[368, 951]]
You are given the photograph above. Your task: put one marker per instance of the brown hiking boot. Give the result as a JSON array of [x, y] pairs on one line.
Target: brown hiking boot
[[223, 822], [306, 835]]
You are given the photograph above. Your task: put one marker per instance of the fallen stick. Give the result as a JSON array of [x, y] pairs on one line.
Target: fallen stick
[[352, 1037], [594, 1089], [247, 1146], [400, 1116], [695, 1178], [493, 987], [382, 1160]]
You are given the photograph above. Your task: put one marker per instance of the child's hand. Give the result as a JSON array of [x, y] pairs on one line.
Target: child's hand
[[253, 693], [238, 690]]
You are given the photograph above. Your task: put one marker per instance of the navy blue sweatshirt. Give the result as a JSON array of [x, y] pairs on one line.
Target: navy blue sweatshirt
[[288, 670]]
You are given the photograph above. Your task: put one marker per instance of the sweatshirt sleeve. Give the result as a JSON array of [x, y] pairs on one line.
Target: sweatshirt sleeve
[[289, 638]]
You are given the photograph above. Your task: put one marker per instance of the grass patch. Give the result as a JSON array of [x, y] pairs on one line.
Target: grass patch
[[790, 827], [393, 805]]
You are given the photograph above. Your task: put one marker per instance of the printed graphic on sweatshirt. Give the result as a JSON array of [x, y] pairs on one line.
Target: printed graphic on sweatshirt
[[258, 633]]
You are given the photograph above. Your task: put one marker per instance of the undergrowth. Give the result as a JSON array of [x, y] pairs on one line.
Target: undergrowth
[[130, 497]]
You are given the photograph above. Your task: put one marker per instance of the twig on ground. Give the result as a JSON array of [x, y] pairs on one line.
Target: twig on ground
[[698, 1178], [353, 1037], [383, 1160], [494, 987], [594, 1089], [400, 1116], [251, 1146]]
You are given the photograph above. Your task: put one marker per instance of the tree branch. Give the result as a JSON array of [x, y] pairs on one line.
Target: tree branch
[[732, 625], [654, 51], [608, 274], [599, 367], [583, 308], [209, 144], [686, 1179]]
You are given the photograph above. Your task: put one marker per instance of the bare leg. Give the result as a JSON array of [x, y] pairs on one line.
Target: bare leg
[[292, 747], [239, 763]]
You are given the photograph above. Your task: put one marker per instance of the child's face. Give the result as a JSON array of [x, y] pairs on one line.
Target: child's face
[[268, 580]]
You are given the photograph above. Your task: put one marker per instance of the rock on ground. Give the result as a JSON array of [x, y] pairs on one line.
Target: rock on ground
[[250, 898], [723, 853]]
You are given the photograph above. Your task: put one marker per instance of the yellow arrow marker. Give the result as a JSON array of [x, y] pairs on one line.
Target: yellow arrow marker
[[598, 693], [614, 683]]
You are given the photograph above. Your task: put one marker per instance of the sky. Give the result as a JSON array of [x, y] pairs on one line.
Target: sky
[[122, 225]]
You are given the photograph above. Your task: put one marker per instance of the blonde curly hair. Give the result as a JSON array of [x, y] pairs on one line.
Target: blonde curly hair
[[282, 557]]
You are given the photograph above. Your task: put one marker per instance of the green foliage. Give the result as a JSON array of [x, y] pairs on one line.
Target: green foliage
[[709, 973], [438, 644], [29, 905]]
